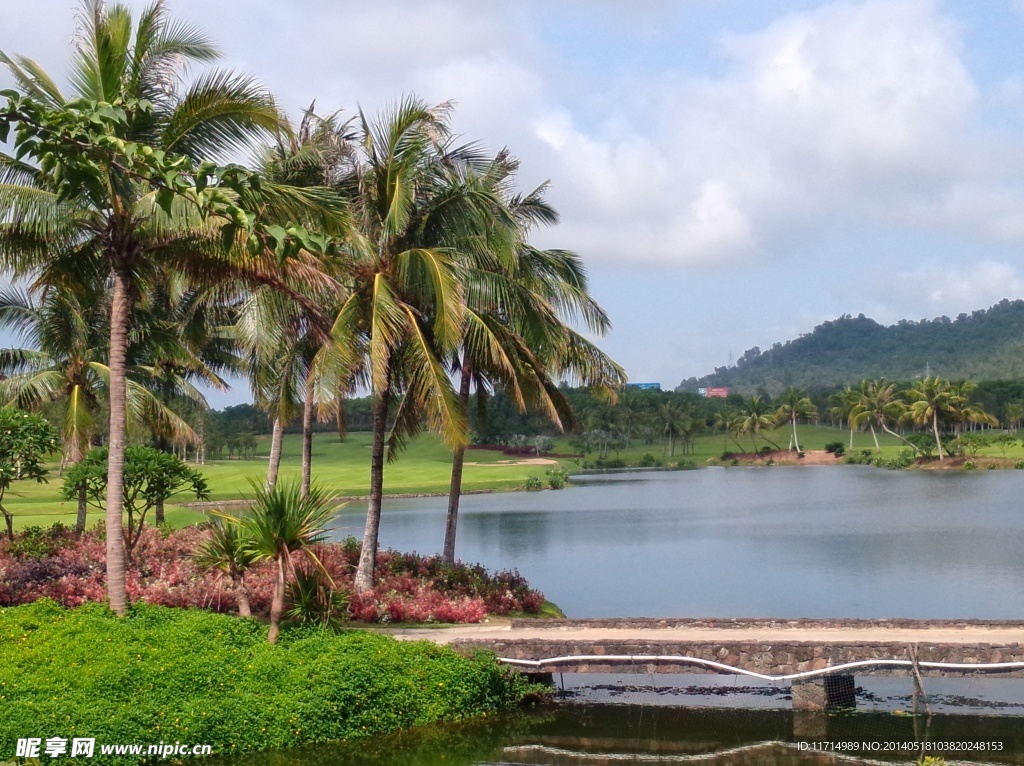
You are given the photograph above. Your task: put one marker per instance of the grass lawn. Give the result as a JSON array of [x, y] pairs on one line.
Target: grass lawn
[[341, 467], [344, 468]]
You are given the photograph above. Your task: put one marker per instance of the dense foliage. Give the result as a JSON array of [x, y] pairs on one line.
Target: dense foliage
[[68, 568], [25, 440], [983, 345], [170, 674]]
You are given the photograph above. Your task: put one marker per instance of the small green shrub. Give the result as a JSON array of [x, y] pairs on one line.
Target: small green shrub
[[533, 483], [1019, 465], [991, 466], [969, 465], [835, 448], [770, 461], [558, 477], [649, 461]]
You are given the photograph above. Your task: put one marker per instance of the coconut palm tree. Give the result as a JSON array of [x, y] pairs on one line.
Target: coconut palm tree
[[932, 399], [279, 524], [795, 406], [756, 418], [403, 314], [65, 364], [878, 403], [121, 228]]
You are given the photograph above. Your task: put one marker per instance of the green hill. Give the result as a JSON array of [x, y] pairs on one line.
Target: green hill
[[984, 345]]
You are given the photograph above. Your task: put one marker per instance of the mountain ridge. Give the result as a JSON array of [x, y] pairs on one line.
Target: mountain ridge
[[987, 344]]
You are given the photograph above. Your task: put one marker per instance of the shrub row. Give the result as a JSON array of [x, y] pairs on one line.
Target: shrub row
[[196, 677], [58, 564]]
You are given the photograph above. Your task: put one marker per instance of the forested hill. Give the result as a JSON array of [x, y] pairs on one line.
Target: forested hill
[[983, 345]]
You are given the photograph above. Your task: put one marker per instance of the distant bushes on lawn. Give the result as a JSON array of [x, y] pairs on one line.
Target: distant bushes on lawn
[[61, 565]]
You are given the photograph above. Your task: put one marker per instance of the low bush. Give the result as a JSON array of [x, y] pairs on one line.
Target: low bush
[[649, 461], [533, 483], [70, 570], [836, 448], [558, 477], [171, 674]]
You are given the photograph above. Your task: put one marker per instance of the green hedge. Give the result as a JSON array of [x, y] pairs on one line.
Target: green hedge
[[200, 678]]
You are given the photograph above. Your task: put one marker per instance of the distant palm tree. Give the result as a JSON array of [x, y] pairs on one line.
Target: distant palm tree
[[756, 418], [795, 406], [877, 403], [931, 400]]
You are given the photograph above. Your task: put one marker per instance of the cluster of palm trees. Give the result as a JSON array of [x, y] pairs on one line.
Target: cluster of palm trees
[[409, 272], [933, 403]]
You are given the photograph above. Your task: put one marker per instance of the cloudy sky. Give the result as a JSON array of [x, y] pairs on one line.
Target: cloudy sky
[[734, 172]]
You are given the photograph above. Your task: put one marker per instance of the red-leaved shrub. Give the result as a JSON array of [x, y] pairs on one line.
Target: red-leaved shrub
[[69, 568]]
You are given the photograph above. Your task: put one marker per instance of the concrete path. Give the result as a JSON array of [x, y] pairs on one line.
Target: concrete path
[[994, 635]]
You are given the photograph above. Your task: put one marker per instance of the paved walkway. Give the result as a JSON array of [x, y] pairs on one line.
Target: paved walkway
[[996, 636]]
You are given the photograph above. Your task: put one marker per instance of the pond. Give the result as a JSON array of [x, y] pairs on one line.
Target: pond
[[831, 541]]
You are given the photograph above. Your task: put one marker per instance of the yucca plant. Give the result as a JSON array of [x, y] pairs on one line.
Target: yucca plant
[[281, 522], [226, 552], [315, 600]]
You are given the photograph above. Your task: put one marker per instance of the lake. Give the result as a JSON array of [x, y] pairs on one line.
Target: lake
[[830, 541]]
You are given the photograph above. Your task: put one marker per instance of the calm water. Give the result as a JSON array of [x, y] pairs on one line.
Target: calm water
[[603, 734], [781, 542]]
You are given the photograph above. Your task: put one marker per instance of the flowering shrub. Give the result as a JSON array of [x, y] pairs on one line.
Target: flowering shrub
[[69, 568]]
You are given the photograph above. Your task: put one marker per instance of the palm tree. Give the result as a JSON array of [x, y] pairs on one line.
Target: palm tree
[[795, 406], [674, 421], [280, 523], [404, 307], [117, 229], [756, 418], [65, 364], [846, 400], [878, 403], [931, 400]]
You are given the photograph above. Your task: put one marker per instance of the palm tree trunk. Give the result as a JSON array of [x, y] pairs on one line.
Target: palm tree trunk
[[276, 440], [874, 435], [276, 602], [935, 430], [119, 317], [796, 441], [242, 596], [368, 554], [455, 489], [307, 439]]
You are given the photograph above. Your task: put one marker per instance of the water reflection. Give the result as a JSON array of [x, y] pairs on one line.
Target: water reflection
[[780, 542], [606, 734]]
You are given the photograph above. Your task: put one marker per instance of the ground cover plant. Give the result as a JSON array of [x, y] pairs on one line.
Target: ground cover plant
[[59, 564], [195, 677]]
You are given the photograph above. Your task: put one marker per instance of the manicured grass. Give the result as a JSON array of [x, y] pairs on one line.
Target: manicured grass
[[343, 468]]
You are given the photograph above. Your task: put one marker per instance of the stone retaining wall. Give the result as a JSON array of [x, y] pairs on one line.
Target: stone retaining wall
[[648, 623], [767, 658]]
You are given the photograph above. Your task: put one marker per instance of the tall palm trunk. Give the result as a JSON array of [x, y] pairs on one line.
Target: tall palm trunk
[[119, 318], [368, 554], [935, 430], [874, 435], [276, 439], [307, 439], [458, 461], [795, 440]]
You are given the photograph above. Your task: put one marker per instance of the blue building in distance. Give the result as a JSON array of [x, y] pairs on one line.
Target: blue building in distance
[[645, 386]]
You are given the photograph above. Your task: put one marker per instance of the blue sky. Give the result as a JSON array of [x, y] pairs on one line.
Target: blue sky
[[733, 173]]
